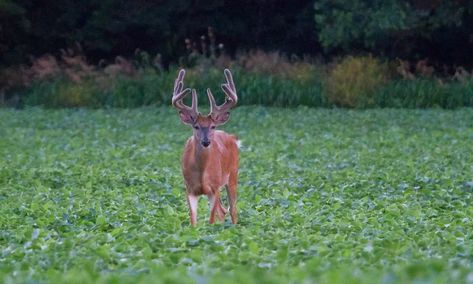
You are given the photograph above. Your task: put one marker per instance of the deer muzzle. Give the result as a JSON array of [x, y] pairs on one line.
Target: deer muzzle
[[205, 141]]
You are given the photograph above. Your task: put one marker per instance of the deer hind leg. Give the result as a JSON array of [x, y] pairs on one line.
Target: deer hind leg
[[232, 198], [216, 208], [193, 201]]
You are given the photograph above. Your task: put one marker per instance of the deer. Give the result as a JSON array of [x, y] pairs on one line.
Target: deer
[[210, 157]]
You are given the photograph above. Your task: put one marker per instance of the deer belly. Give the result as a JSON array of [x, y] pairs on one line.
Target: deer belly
[[205, 185], [196, 185], [196, 188]]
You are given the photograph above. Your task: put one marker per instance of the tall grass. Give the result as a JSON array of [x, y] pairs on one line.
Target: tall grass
[[154, 88], [261, 78], [425, 93]]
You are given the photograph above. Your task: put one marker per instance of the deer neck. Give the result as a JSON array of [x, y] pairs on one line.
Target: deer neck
[[201, 155]]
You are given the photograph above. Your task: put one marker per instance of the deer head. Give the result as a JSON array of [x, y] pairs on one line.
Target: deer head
[[204, 125]]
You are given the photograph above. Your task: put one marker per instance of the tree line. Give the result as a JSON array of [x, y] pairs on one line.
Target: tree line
[[441, 31]]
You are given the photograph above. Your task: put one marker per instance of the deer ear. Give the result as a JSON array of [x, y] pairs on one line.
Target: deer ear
[[221, 118], [186, 118]]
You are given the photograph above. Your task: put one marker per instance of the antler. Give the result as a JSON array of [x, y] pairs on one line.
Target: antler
[[230, 99], [179, 94]]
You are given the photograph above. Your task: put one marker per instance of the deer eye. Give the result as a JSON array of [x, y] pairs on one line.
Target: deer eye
[[213, 127], [196, 127]]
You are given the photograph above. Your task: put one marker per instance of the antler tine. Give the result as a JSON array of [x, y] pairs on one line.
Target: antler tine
[[230, 99], [194, 101], [213, 104], [179, 94], [229, 87], [179, 79]]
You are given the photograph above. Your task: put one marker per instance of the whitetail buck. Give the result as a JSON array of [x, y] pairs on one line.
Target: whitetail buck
[[210, 159]]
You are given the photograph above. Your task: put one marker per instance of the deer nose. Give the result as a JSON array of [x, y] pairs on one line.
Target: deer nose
[[205, 143]]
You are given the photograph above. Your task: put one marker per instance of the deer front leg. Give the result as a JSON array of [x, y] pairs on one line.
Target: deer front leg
[[193, 201], [216, 208]]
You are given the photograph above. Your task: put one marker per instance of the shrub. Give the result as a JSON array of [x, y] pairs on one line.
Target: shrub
[[351, 82]]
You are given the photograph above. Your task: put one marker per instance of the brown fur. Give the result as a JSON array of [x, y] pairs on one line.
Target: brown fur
[[210, 159], [207, 170]]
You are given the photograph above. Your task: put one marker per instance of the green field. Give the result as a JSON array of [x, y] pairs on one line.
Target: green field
[[325, 196]]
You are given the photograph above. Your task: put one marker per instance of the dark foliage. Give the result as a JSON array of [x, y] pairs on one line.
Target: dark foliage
[[109, 28], [409, 29]]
